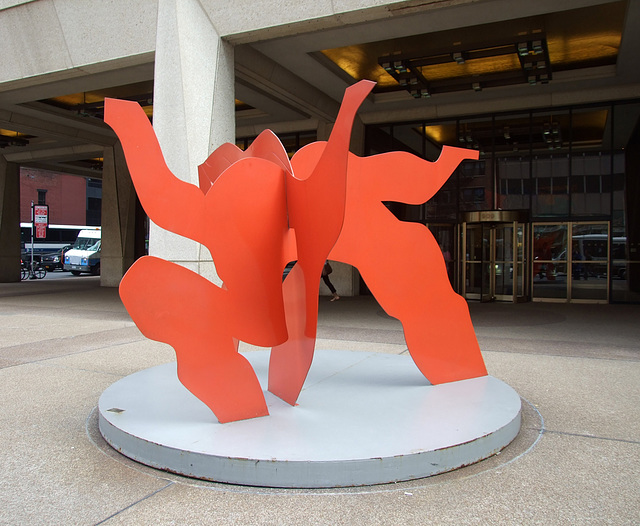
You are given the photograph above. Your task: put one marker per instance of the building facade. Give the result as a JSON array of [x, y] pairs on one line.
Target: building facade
[[71, 200], [547, 92]]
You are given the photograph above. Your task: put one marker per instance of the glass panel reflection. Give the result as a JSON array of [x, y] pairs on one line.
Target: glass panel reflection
[[554, 285], [589, 257], [549, 248], [504, 279], [474, 278], [474, 243], [593, 283], [520, 280], [486, 278]]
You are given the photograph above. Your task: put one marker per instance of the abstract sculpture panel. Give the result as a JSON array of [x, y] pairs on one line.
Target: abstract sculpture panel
[[256, 211]]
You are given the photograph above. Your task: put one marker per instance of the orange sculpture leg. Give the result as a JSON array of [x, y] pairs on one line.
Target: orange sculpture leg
[[402, 263], [316, 201], [240, 214], [436, 322], [196, 327]]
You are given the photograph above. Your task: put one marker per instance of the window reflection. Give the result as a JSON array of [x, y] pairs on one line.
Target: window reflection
[[568, 166]]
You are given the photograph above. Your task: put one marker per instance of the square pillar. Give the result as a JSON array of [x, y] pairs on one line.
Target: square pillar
[[9, 221], [122, 237], [193, 111]]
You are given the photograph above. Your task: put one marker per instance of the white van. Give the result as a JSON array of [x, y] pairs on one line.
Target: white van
[[84, 255]]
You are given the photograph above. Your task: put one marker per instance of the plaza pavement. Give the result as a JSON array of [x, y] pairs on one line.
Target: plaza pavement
[[576, 460]]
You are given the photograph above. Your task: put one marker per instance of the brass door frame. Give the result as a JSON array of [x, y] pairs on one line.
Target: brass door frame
[[489, 264], [568, 262]]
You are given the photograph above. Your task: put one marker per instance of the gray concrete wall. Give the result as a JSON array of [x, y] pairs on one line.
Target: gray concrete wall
[[118, 218], [9, 221], [47, 40], [50, 40]]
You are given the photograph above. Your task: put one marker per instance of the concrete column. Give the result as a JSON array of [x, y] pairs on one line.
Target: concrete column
[[9, 221], [632, 197], [121, 213], [193, 110]]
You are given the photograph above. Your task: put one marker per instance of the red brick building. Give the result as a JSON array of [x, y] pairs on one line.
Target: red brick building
[[65, 194]]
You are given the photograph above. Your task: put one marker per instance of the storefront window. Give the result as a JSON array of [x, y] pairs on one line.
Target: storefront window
[[550, 261], [589, 261], [476, 191], [550, 139], [511, 144], [563, 168]]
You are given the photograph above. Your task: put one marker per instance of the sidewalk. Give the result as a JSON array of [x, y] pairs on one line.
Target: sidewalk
[[576, 460]]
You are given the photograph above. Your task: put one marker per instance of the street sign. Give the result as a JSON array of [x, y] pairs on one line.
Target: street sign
[[41, 220]]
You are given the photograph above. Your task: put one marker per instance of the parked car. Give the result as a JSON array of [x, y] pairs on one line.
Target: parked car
[[55, 260]]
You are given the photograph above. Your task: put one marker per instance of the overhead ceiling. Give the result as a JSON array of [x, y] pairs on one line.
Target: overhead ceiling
[[472, 64], [490, 55]]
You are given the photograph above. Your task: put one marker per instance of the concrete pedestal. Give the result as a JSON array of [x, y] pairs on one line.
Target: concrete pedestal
[[361, 419]]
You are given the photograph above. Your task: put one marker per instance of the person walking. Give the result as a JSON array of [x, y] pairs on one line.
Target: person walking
[[326, 270]]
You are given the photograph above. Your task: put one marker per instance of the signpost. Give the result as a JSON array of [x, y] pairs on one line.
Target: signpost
[[39, 223], [41, 220]]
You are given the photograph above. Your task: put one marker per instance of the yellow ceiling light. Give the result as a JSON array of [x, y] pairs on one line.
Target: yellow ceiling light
[[476, 67], [572, 39], [439, 133], [357, 63]]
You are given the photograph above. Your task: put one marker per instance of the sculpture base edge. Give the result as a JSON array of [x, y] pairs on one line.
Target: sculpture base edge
[[362, 419]]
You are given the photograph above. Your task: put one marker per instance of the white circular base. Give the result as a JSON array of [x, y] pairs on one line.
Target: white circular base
[[361, 419]]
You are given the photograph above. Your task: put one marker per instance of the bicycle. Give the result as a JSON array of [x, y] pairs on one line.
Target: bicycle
[[33, 270]]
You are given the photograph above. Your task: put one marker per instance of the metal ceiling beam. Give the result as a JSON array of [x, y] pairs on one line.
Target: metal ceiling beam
[[42, 120], [56, 154], [271, 79], [70, 169]]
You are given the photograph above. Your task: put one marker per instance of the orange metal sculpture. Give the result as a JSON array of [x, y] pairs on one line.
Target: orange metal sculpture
[[256, 211], [402, 263]]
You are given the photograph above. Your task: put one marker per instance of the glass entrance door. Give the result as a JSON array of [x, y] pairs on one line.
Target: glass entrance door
[[494, 266], [570, 262]]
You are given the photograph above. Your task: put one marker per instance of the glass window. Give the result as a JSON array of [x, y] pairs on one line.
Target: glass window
[[476, 177], [593, 184], [591, 160], [589, 261], [577, 184], [445, 235], [514, 187], [444, 205], [559, 185], [543, 185], [564, 166], [511, 134], [550, 134], [550, 261], [550, 196]]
